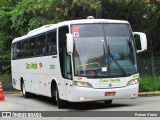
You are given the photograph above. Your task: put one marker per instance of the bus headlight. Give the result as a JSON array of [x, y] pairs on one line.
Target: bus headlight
[[132, 82], [82, 84]]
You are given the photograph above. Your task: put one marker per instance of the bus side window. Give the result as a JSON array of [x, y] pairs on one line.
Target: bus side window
[[32, 46], [25, 48], [14, 51], [51, 42], [18, 50], [41, 46]]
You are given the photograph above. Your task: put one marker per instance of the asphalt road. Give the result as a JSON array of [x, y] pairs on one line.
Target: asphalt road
[[16, 102]]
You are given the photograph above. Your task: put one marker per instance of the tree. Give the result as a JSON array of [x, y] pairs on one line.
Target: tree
[[30, 14], [6, 33], [20, 16]]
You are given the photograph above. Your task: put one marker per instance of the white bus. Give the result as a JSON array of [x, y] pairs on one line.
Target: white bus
[[78, 61]]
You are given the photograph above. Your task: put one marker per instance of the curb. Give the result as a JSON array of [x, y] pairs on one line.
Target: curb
[[149, 94], [12, 92]]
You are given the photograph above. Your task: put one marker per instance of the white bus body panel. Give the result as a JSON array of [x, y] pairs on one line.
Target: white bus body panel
[[38, 80]]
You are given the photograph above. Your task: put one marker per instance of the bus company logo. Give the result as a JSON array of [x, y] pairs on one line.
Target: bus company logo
[[104, 80], [116, 80], [34, 66]]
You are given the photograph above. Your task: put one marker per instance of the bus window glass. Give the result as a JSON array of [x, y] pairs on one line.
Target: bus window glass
[[14, 51], [51, 43], [41, 47], [18, 50], [25, 48], [32, 45], [65, 61], [107, 40]]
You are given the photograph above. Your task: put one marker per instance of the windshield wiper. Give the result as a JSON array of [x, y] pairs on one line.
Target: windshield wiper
[[119, 66]]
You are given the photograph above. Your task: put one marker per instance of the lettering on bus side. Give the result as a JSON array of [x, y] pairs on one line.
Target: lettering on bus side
[[52, 66], [34, 66]]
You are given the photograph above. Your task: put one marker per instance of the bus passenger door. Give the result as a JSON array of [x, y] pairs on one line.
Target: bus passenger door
[[65, 62], [68, 81]]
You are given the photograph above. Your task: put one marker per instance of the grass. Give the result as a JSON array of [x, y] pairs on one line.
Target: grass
[[149, 84]]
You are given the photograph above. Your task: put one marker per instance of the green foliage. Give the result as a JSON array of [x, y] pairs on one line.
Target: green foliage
[[6, 34], [148, 84], [30, 14], [20, 16], [6, 82]]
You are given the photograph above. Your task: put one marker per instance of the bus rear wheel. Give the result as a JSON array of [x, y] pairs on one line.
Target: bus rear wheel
[[24, 93]]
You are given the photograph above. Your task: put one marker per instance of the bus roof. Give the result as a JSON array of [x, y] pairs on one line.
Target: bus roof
[[49, 27]]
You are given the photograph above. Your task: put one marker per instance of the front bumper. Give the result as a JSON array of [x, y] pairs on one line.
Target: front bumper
[[82, 94]]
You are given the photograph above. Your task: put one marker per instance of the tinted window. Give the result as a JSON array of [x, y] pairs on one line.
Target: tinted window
[[13, 51], [65, 62], [25, 47], [41, 46], [18, 50], [51, 42], [88, 30], [117, 30], [32, 46]]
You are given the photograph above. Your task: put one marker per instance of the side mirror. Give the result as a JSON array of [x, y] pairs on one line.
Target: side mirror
[[69, 43], [141, 41]]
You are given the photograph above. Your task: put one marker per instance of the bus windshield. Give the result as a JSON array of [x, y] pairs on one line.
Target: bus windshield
[[103, 50]]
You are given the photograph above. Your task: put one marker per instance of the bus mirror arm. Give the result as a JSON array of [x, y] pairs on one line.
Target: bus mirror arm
[[143, 41], [69, 43]]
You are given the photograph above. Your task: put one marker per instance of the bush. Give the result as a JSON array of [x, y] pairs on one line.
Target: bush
[[6, 82], [148, 84]]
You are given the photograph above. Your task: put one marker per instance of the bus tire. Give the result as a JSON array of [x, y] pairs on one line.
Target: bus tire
[[24, 93], [60, 103], [108, 102]]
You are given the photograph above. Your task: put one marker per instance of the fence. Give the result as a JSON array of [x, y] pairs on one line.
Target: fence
[[149, 66]]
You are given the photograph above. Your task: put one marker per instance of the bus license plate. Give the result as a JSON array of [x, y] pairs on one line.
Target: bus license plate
[[110, 93]]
